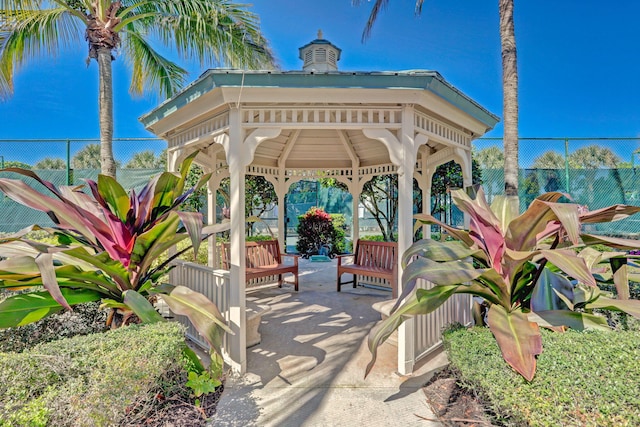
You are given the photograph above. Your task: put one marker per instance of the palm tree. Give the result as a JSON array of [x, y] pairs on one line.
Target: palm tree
[[145, 160], [210, 31], [593, 157], [51, 163], [509, 84], [490, 158], [549, 160], [87, 158]]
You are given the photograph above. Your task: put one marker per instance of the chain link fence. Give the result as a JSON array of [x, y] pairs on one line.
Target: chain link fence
[[70, 162], [595, 172]]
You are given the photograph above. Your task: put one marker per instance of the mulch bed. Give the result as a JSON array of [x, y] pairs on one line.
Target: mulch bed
[[179, 409], [453, 405]]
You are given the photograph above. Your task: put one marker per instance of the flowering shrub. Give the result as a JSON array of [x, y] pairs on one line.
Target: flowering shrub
[[315, 230]]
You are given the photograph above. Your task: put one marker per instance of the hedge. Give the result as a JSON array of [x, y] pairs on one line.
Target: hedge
[[87, 380], [583, 378]]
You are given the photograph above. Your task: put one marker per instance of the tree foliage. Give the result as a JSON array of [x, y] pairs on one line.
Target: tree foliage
[[490, 158], [210, 32], [380, 198], [87, 158], [259, 198], [448, 176], [16, 164], [54, 163], [593, 157], [146, 159], [549, 160]]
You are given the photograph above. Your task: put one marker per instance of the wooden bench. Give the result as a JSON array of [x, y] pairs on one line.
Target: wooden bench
[[371, 259], [263, 259]]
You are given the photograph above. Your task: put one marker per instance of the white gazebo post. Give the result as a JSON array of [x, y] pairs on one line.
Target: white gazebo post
[[281, 191], [463, 158], [424, 183], [408, 143], [355, 188], [237, 161], [212, 188]]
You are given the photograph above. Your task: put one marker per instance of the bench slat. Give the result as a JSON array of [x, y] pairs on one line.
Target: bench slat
[[371, 259], [263, 259]]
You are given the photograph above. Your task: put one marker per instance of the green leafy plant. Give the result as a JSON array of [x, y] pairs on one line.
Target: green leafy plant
[[530, 270], [202, 383], [107, 243]]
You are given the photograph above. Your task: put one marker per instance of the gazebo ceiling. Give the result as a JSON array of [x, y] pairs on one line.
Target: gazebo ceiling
[[321, 148]]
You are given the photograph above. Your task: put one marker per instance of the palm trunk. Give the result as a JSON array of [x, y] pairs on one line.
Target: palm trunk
[[105, 102], [510, 97]]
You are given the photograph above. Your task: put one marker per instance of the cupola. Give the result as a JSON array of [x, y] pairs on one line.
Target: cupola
[[320, 55]]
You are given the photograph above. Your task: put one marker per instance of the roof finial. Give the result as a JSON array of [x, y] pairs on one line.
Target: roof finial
[[319, 34]]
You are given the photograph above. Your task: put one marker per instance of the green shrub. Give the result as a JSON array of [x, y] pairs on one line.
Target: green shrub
[[373, 238], [339, 222], [377, 238], [583, 378], [87, 380], [84, 319], [259, 238]]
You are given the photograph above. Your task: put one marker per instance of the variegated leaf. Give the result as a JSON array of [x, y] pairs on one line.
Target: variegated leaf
[[518, 338], [418, 303], [572, 319]]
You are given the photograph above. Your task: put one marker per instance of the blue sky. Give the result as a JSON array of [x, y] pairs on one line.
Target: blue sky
[[578, 62]]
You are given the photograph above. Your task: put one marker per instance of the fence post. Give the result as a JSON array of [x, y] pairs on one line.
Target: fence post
[[566, 165], [68, 162]]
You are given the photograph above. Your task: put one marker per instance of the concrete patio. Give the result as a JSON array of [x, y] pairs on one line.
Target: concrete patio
[[309, 368]]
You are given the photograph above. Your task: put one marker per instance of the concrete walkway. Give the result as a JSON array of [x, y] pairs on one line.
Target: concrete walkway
[[309, 368]]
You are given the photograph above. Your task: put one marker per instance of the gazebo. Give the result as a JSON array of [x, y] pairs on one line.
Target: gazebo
[[318, 123]]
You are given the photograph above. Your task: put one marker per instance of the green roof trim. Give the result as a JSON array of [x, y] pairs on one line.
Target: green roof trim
[[412, 79]]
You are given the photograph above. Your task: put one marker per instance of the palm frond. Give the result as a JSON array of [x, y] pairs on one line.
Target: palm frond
[[220, 33], [151, 72], [6, 85], [26, 34], [20, 4], [378, 6]]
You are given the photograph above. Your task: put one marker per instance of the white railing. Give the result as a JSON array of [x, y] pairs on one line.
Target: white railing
[[214, 284], [428, 328], [330, 116], [431, 126], [318, 173], [378, 170], [206, 127]]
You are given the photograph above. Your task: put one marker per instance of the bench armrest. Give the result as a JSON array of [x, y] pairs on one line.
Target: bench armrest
[[339, 257], [294, 256]]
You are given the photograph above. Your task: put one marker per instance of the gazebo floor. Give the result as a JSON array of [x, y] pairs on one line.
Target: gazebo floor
[[309, 367]]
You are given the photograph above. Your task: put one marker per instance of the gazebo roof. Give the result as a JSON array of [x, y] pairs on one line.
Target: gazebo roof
[[396, 81]]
